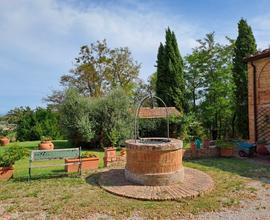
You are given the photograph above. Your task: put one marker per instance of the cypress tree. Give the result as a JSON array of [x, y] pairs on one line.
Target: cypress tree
[[161, 74], [245, 45], [170, 81]]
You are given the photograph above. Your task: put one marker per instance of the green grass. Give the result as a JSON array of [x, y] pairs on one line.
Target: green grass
[[21, 167], [72, 197]]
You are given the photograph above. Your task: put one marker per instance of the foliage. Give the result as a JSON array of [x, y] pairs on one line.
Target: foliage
[[11, 155], [191, 128], [224, 144], [106, 119], [98, 70], [170, 86], [245, 45], [3, 133], [15, 115], [185, 127], [88, 155], [208, 76], [33, 124], [46, 138], [76, 117]]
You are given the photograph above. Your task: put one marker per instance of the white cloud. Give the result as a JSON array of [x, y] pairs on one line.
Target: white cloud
[[50, 33]]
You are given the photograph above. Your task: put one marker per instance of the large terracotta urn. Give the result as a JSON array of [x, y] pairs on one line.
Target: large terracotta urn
[[46, 145]]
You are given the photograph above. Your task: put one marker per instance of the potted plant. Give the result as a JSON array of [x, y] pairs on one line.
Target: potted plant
[[89, 162], [8, 159], [4, 140], [46, 143], [226, 148], [261, 147]]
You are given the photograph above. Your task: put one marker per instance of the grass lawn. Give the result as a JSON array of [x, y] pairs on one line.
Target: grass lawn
[[72, 197]]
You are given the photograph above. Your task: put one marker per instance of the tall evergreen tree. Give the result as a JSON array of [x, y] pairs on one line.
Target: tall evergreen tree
[[170, 84], [245, 45]]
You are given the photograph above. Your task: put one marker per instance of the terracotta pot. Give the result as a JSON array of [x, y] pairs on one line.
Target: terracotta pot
[[262, 149], [6, 173], [46, 145], [90, 163], [110, 152], [226, 152], [4, 141]]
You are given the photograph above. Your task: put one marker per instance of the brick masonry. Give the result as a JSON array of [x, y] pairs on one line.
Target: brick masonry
[[112, 159], [262, 97], [190, 153], [154, 161], [195, 183]]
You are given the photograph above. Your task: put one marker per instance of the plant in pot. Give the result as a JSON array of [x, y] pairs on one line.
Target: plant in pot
[[8, 159], [4, 140], [89, 161], [46, 143], [226, 148], [114, 137]]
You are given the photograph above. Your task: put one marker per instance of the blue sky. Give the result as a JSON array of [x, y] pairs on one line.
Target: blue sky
[[40, 38]]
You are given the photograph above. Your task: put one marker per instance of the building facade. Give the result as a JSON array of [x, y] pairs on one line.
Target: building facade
[[259, 96]]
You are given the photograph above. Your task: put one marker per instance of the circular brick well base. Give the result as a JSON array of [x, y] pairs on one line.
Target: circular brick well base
[[194, 184]]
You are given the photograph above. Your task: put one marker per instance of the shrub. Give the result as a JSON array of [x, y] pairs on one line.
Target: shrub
[[76, 120], [46, 138], [33, 124], [11, 155], [185, 127], [88, 155], [105, 120]]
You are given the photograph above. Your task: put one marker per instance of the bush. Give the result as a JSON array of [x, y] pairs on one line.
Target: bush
[[185, 127], [33, 124], [11, 155], [104, 120]]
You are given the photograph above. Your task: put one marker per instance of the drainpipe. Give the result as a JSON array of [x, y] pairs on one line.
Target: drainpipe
[[255, 99]]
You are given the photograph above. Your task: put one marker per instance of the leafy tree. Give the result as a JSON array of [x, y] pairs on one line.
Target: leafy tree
[[245, 45], [75, 117], [98, 70], [102, 120], [153, 82], [33, 124], [209, 79], [170, 84], [194, 77]]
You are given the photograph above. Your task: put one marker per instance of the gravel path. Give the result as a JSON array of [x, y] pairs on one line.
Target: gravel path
[[258, 208]]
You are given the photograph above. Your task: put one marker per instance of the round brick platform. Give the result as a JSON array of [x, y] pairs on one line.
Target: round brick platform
[[195, 183]]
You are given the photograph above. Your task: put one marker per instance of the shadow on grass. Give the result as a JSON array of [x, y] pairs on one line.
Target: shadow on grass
[[112, 177], [54, 174], [237, 166], [92, 179]]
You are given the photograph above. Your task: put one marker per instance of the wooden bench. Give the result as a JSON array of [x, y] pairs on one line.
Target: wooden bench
[[45, 155]]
